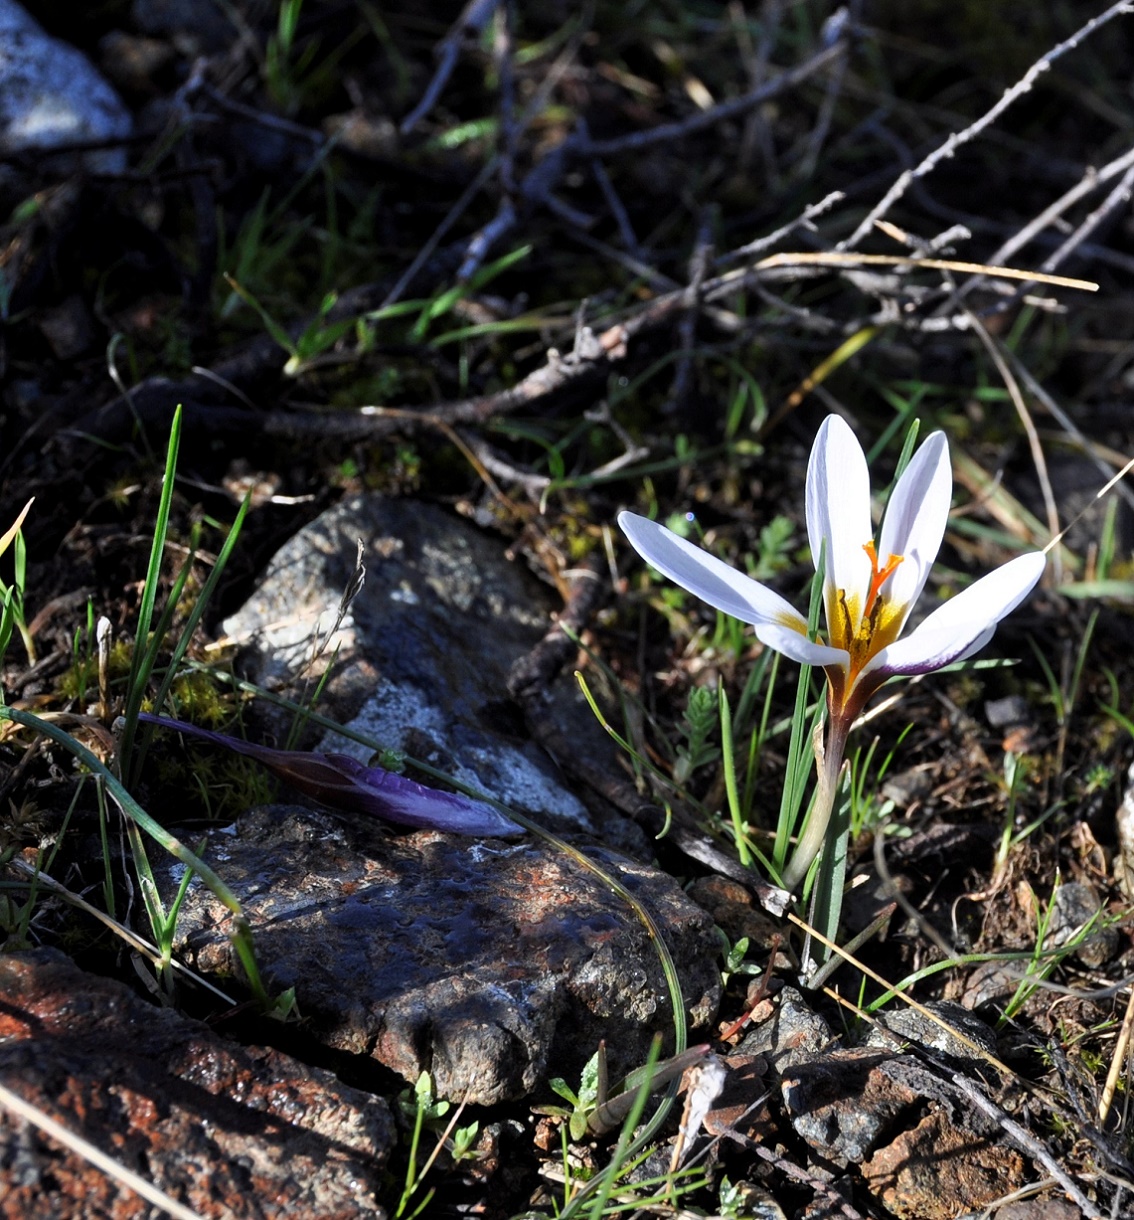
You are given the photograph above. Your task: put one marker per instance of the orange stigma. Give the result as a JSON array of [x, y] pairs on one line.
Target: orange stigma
[[878, 577]]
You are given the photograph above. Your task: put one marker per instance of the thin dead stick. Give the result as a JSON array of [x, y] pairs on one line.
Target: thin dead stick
[[1121, 1050], [534, 485], [834, 28], [473, 19], [687, 325], [1027, 1143], [978, 1051], [616, 206], [136, 942], [756, 60], [612, 344], [451, 217], [1090, 181], [949, 148], [1093, 451], [504, 53], [1038, 459], [850, 259], [536, 186], [15, 1104], [636, 141], [1117, 197], [802, 221]]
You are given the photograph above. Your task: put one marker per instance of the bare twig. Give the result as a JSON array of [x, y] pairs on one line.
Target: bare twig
[[617, 208], [1027, 1143], [451, 217], [834, 29], [473, 19], [757, 132], [1118, 1061], [1117, 197], [1035, 388], [802, 221], [1090, 181], [505, 67], [687, 326], [536, 187], [959, 138], [1038, 459], [534, 485], [704, 119]]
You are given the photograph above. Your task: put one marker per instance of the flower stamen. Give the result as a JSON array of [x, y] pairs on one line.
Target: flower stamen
[[878, 577]]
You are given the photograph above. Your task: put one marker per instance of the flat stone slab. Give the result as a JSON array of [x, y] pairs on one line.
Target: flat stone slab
[[423, 655], [488, 964], [225, 1129]]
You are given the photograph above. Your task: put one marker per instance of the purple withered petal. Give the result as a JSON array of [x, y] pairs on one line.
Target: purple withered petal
[[342, 782]]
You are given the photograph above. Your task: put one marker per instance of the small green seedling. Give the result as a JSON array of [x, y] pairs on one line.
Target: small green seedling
[[422, 1110], [734, 962], [700, 721]]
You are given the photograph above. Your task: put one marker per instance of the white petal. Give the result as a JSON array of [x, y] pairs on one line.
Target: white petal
[[709, 578], [925, 651], [838, 507], [799, 648], [965, 622], [915, 519]]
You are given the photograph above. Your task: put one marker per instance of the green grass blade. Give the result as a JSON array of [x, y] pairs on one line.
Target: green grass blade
[[241, 933], [728, 761], [136, 684]]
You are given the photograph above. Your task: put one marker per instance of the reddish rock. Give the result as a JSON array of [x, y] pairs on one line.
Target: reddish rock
[[227, 1130], [940, 1170], [480, 961]]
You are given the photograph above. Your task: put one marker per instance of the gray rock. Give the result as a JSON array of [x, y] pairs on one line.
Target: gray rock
[[851, 1102], [843, 1103], [905, 1024], [224, 1128], [1073, 907], [50, 95], [943, 1167], [425, 649], [794, 1034], [1008, 711], [483, 962]]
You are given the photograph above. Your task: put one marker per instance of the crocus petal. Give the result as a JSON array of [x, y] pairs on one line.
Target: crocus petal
[[707, 577], [915, 520], [799, 648], [342, 782], [838, 508], [964, 623]]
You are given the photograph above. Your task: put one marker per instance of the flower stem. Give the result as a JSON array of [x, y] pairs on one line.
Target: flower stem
[[828, 766]]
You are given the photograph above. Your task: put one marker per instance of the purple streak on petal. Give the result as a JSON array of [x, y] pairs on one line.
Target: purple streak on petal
[[342, 782], [935, 651], [951, 633]]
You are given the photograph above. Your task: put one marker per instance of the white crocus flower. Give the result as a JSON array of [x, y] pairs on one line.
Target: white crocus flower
[[869, 588]]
